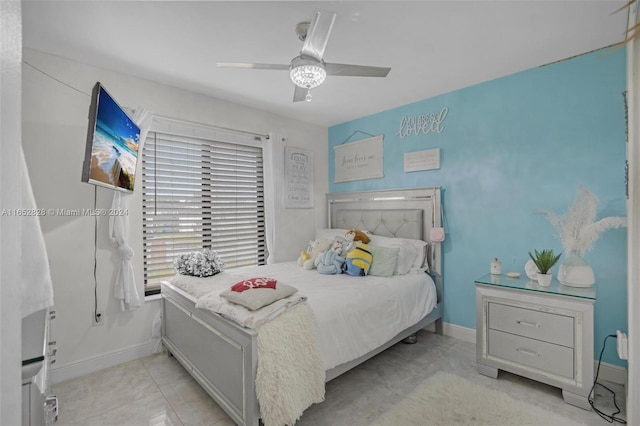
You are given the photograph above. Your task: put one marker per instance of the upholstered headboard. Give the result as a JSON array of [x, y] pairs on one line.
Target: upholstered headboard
[[402, 213], [388, 223]]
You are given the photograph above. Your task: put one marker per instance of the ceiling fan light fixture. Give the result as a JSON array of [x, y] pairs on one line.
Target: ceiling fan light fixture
[[307, 73]]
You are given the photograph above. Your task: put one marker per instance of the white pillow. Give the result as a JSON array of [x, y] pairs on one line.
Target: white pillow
[[330, 233], [411, 252], [419, 265]]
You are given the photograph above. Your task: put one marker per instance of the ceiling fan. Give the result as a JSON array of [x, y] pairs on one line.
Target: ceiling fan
[[309, 70]]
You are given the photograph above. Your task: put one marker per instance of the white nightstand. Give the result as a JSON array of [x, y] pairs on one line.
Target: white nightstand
[[544, 333]]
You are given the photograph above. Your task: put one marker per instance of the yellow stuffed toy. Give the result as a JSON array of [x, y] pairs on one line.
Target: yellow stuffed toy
[[358, 260], [304, 256]]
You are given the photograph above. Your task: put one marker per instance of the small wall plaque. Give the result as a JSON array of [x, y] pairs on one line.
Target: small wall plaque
[[422, 160]]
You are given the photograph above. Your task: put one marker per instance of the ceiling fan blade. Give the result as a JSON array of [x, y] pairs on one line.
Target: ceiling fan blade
[[356, 70], [252, 66], [299, 94], [318, 34]]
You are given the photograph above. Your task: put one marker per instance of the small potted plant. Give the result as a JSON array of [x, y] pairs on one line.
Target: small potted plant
[[544, 260]]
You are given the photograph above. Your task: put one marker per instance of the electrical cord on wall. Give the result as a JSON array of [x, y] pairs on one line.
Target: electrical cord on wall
[[96, 316], [608, 417]]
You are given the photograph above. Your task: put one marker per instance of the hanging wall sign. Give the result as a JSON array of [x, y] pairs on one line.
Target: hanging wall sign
[[422, 160], [359, 160], [422, 124], [298, 191]]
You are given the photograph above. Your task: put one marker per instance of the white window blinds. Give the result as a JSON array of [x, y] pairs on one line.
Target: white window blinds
[[201, 190]]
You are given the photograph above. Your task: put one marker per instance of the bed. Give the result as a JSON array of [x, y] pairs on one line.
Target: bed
[[223, 356]]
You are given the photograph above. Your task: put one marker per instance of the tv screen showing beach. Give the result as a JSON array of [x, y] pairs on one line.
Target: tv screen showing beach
[[114, 141]]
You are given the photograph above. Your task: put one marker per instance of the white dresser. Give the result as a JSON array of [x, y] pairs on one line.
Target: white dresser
[[39, 408], [543, 333]]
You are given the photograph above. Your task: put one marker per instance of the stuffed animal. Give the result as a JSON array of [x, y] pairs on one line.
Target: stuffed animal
[[354, 235], [358, 260], [304, 256], [331, 261], [357, 235], [314, 249]]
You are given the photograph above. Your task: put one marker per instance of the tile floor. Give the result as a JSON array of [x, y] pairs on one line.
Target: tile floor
[[156, 390]]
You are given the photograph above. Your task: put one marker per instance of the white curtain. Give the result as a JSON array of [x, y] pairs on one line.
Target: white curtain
[[273, 154], [36, 285], [125, 285]]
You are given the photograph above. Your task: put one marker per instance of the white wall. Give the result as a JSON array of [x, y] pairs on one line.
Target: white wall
[[54, 134]]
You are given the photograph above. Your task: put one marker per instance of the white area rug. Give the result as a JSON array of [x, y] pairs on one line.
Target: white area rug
[[447, 399]]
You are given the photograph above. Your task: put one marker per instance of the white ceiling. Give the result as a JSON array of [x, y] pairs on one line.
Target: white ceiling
[[433, 47]]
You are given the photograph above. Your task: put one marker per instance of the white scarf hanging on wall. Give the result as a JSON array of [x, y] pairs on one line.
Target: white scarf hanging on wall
[[125, 286]]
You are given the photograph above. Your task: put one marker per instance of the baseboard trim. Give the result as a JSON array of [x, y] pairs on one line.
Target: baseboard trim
[[462, 333], [611, 373], [91, 365], [452, 330]]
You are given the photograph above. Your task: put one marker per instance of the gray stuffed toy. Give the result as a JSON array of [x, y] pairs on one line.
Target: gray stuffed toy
[[331, 261]]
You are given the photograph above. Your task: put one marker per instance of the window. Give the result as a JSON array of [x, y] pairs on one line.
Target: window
[[201, 189]]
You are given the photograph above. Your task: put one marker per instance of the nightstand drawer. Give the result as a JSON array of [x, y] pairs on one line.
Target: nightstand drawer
[[544, 326], [532, 353]]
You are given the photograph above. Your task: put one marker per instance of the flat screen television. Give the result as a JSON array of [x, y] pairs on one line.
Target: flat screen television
[[111, 153]]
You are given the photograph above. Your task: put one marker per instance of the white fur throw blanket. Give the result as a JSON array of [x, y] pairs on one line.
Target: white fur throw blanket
[[290, 373]]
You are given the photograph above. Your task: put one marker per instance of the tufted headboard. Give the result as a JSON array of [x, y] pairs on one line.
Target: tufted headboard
[[388, 223], [402, 213]]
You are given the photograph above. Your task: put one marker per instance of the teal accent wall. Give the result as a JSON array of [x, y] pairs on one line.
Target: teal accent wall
[[508, 147]]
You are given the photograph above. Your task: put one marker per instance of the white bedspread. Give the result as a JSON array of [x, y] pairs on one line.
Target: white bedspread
[[354, 315], [207, 292]]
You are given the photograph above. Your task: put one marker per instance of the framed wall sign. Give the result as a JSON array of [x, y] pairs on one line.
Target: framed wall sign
[[359, 160], [298, 168]]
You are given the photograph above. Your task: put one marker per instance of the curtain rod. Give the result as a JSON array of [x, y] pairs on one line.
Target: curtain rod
[[217, 128]]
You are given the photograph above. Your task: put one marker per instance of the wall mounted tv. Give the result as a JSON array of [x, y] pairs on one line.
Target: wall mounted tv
[[111, 153]]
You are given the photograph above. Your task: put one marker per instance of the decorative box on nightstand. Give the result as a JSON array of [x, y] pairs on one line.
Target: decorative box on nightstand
[[543, 333]]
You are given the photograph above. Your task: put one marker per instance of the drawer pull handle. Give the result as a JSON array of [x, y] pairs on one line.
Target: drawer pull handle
[[528, 324], [51, 409], [527, 352]]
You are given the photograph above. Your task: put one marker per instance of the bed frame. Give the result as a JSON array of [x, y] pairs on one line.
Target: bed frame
[[222, 356]]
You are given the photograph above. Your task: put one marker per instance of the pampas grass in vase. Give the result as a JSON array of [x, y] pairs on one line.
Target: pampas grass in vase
[[578, 231]]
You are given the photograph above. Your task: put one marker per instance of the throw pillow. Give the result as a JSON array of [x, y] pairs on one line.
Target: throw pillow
[[254, 293], [385, 260]]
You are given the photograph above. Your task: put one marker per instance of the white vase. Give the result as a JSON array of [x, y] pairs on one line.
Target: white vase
[[544, 279], [575, 272]]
